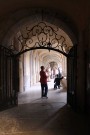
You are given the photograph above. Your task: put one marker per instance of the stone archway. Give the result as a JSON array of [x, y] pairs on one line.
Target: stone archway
[[32, 16], [10, 38]]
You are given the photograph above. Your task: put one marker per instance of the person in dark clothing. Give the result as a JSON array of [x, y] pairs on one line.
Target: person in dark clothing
[[57, 81], [43, 80], [59, 74]]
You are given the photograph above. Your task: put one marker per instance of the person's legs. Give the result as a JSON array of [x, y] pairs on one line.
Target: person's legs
[[46, 90], [42, 88], [55, 86]]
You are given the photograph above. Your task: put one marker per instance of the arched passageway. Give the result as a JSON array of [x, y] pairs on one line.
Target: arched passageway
[[29, 75], [33, 60], [73, 20], [41, 34]]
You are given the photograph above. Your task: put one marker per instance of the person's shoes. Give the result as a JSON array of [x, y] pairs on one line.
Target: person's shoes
[[44, 97]]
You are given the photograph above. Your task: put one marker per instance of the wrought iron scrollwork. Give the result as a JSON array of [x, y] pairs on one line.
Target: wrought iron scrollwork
[[44, 36]]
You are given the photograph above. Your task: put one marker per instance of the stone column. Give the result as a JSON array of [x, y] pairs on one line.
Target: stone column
[[38, 69], [64, 66], [31, 68], [27, 71], [21, 89], [34, 68]]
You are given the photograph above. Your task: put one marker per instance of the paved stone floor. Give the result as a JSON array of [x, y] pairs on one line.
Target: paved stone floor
[[36, 116]]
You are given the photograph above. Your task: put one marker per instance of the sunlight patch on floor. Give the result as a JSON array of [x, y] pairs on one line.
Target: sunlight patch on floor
[[33, 95]]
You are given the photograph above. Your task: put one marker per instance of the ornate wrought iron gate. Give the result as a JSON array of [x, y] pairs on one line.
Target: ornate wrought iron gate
[[72, 76], [8, 79]]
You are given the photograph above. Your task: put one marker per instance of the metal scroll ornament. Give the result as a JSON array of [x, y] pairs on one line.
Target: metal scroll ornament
[[42, 36]]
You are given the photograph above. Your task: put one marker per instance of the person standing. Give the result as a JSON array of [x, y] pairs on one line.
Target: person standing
[[57, 81], [59, 74], [43, 81]]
